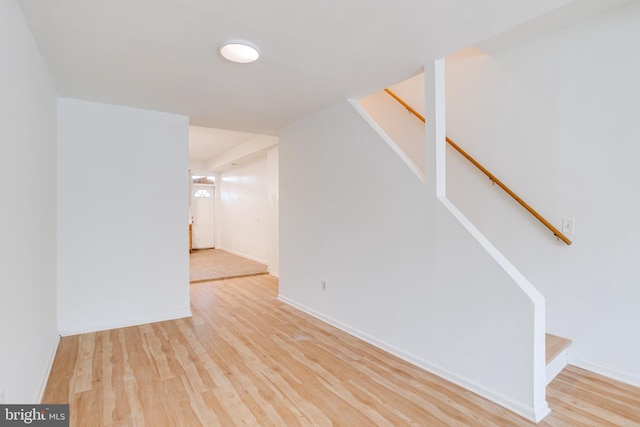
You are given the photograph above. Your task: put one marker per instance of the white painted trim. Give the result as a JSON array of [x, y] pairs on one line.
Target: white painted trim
[[435, 138], [538, 301], [524, 284], [249, 257], [126, 323], [436, 132], [534, 414], [47, 370], [556, 365], [274, 274], [613, 374], [386, 138]]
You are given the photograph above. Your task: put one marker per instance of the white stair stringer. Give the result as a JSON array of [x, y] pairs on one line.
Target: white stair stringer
[[557, 356], [556, 365]]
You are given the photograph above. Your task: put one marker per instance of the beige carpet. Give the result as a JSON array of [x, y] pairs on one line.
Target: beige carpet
[[216, 264]]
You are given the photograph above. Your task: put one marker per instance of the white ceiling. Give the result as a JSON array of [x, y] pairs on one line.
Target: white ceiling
[[206, 143], [162, 54]]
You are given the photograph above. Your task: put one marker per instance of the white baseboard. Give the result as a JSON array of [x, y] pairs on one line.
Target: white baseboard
[[624, 377], [126, 323], [534, 414], [251, 257], [47, 370]]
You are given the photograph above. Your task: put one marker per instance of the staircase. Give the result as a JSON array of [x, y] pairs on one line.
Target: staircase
[[556, 355], [392, 126]]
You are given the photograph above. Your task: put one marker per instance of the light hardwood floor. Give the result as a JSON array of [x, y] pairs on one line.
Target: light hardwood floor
[[216, 264], [247, 359]]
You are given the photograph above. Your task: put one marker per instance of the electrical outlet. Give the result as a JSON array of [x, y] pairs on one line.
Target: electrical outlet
[[324, 285], [568, 225]]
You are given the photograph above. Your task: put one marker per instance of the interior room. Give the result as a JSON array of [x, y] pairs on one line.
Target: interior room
[[441, 194]]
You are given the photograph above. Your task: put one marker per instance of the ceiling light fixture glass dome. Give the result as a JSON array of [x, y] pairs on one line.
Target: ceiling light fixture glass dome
[[240, 51]]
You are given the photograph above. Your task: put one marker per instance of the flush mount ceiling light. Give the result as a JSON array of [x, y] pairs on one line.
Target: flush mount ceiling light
[[239, 51]]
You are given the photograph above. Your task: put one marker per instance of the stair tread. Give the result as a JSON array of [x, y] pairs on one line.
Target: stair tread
[[554, 346]]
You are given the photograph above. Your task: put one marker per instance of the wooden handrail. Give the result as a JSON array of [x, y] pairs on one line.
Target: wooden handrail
[[491, 176], [405, 105], [500, 184]]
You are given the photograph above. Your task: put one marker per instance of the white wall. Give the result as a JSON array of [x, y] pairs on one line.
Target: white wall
[[405, 130], [247, 200], [273, 189], [243, 215], [556, 119], [198, 168], [122, 216], [401, 272], [28, 214]]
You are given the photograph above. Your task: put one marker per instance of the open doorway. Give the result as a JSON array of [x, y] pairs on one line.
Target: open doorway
[[233, 204]]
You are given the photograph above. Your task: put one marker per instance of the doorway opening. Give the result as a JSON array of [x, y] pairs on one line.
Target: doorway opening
[[207, 263], [233, 203]]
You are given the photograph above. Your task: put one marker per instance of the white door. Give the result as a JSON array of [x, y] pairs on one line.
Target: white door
[[202, 206]]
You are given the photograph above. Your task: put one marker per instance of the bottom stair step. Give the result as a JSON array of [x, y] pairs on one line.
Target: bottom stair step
[[556, 355]]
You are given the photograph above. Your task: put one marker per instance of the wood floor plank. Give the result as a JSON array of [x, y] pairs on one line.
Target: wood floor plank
[[62, 370], [216, 264], [247, 359]]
